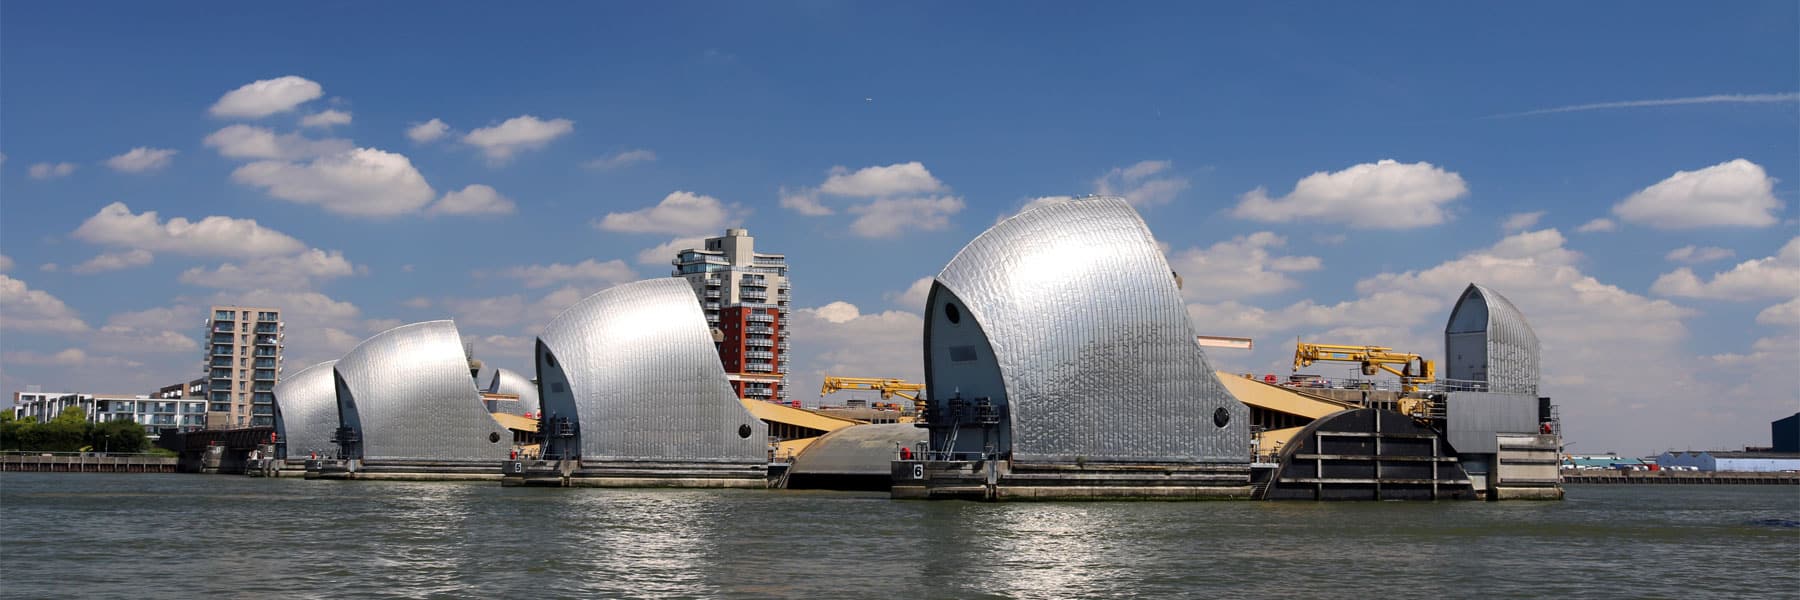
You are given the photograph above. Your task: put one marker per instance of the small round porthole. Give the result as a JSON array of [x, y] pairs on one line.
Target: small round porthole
[[1221, 417], [744, 431], [494, 438], [951, 313]]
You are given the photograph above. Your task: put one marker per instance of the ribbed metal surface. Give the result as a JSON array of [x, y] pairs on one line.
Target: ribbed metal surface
[[1512, 350], [644, 379], [415, 399], [1094, 345], [507, 381], [306, 410], [857, 450]]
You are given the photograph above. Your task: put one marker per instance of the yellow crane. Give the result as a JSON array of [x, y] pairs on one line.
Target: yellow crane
[[1412, 369], [888, 387]]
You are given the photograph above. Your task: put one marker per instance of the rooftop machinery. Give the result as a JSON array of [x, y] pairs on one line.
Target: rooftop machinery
[[887, 386], [1412, 369]]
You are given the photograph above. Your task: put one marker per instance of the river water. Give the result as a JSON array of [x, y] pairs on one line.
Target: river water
[[165, 536]]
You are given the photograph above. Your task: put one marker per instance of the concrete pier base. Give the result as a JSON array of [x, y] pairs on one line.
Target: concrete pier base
[[396, 470], [1000, 480], [633, 474]]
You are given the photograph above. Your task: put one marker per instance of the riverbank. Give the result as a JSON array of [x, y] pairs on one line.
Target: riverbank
[[1680, 477], [85, 462]]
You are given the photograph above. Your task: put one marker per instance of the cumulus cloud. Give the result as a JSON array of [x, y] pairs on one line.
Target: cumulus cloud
[[1733, 193], [428, 131], [251, 142], [26, 309], [364, 182], [1240, 267], [621, 160], [1598, 225], [524, 132], [115, 225], [514, 309], [161, 330], [899, 189], [475, 199], [300, 271], [6, 263], [1033, 203], [1521, 221], [889, 217], [1786, 313], [142, 160], [1142, 184], [679, 213], [1383, 195], [70, 358], [51, 170], [1776, 276], [661, 254], [326, 118], [839, 339], [611, 272], [265, 97], [1698, 254], [114, 261], [874, 182], [915, 295]]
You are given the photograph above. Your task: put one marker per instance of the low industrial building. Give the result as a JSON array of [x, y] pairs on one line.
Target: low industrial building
[[1731, 460], [633, 395]]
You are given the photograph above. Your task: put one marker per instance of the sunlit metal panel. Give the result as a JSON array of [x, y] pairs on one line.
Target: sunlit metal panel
[[414, 398], [306, 411], [1076, 306], [1487, 339], [635, 368], [507, 381]]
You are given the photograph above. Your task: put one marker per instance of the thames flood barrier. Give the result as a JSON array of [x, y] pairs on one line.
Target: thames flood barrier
[[633, 395]]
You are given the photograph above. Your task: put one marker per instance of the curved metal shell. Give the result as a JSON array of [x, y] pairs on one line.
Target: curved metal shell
[[1096, 358], [635, 371], [855, 457], [306, 410], [1487, 339], [410, 396], [507, 381]]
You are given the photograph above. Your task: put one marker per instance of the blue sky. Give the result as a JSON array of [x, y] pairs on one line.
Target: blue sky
[[916, 127]]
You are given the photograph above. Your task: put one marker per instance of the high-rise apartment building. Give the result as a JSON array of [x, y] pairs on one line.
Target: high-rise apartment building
[[745, 296], [243, 363]]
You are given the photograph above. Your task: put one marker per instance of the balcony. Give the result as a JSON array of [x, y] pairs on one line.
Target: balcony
[[268, 340], [759, 329], [758, 392], [712, 293], [782, 346], [710, 306], [760, 318], [759, 342], [750, 296], [764, 355]]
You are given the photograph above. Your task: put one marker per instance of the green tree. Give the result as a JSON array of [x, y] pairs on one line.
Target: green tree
[[68, 432], [16, 434], [120, 435]]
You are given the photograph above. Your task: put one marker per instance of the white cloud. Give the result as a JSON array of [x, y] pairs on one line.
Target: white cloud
[[6, 263], [142, 160], [1600, 224], [265, 97], [915, 296], [114, 261], [1772, 277], [524, 132], [1521, 221], [679, 213], [1381, 195], [51, 170], [476, 199], [151, 331], [661, 254], [839, 339], [115, 225], [364, 182], [514, 309], [1733, 193], [26, 309], [1034, 203], [326, 118], [1712, 99], [299, 271], [889, 217], [1240, 267], [49, 267], [804, 201], [621, 160], [311, 318], [1698, 254], [428, 131], [611, 272], [1139, 184], [876, 182], [1786, 313], [252, 142], [417, 302], [70, 358]]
